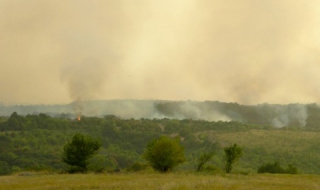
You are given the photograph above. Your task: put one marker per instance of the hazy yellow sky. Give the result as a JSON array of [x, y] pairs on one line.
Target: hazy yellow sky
[[246, 51]]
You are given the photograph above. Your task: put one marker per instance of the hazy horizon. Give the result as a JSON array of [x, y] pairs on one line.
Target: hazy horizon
[[245, 51]]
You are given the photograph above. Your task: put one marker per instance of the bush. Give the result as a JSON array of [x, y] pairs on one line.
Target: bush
[[203, 159], [164, 153], [276, 168], [74, 170], [232, 155], [101, 163], [5, 168], [291, 169], [138, 166], [271, 168], [211, 169]]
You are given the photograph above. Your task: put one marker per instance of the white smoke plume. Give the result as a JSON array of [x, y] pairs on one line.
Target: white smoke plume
[[290, 113]]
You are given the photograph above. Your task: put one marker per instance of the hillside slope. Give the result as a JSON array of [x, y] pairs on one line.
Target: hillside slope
[[35, 142]]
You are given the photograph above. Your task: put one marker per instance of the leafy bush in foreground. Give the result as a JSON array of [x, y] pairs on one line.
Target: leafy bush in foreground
[[164, 153]]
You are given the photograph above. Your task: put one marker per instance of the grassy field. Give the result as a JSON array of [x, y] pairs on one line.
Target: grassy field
[[172, 181], [299, 148]]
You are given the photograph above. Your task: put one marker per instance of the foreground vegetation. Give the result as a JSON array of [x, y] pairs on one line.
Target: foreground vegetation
[[171, 181], [35, 143]]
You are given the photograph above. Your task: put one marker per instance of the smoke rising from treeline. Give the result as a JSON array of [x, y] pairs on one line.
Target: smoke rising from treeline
[[244, 51], [265, 115]]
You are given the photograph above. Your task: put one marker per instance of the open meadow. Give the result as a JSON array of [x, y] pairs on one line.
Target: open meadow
[[134, 181]]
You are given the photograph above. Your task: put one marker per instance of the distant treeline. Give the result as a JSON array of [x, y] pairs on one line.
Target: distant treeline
[[290, 115]]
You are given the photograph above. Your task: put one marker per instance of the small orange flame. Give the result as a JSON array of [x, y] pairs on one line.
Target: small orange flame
[[79, 118]]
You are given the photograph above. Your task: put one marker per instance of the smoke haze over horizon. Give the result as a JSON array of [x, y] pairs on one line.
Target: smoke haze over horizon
[[244, 51]]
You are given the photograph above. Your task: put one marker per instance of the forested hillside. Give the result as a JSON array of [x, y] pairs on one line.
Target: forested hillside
[[35, 142]]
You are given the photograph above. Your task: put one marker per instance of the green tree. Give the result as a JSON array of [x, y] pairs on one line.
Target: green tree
[[77, 152], [203, 159], [164, 153], [232, 155]]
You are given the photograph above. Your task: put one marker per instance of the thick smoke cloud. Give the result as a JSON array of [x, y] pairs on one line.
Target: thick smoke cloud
[[244, 51]]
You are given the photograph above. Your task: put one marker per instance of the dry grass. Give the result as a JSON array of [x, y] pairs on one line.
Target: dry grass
[[173, 181]]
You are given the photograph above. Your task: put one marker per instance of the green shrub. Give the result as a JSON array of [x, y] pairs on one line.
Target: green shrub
[[101, 163], [5, 168], [276, 168], [164, 153], [232, 155], [203, 159], [138, 166]]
